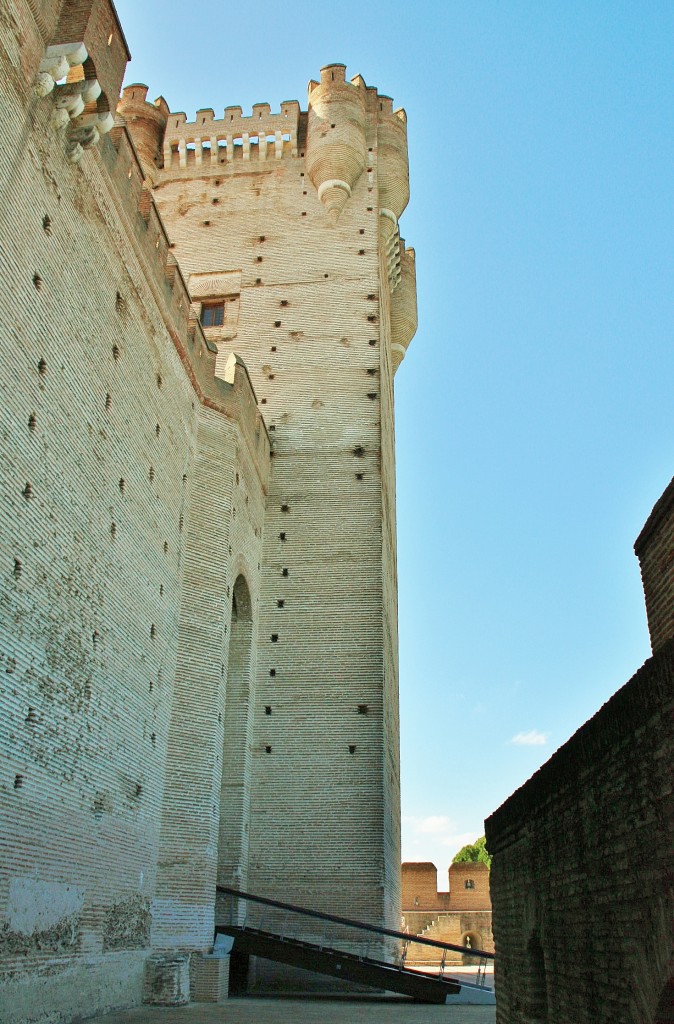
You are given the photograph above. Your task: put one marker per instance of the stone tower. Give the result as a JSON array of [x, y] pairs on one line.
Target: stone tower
[[285, 227], [198, 605]]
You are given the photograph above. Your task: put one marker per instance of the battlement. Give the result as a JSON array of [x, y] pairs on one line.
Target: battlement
[[378, 106], [137, 93], [208, 139], [335, 135]]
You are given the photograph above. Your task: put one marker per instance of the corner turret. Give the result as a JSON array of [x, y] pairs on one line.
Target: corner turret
[[146, 124], [393, 167], [403, 307], [336, 146], [392, 178]]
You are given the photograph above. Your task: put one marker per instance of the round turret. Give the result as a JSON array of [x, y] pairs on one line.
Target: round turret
[[336, 147], [392, 164], [146, 124], [403, 307]]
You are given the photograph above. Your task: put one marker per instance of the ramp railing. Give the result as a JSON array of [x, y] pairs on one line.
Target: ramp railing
[[247, 912]]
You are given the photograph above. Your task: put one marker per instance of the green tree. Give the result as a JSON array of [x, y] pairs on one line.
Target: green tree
[[474, 853]]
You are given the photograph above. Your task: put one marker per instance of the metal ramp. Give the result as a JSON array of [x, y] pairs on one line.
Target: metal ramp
[[335, 946]]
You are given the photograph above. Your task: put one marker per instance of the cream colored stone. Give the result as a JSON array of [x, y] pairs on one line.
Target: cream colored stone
[[157, 479]]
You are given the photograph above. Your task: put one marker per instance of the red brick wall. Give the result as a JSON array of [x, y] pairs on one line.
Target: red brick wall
[[475, 897], [420, 881], [582, 881], [655, 550], [95, 23], [420, 887]]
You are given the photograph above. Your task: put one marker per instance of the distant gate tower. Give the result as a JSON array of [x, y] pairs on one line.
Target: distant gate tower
[[285, 227]]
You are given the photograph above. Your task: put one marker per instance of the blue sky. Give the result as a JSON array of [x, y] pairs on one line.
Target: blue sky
[[534, 426]]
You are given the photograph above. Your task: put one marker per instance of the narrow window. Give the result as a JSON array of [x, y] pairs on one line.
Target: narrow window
[[212, 314]]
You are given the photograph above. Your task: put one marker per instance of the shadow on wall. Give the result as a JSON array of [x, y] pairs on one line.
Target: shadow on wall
[[589, 840], [235, 788], [537, 993], [665, 1011]]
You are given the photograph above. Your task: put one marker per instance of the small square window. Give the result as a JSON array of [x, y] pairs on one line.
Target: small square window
[[469, 883], [213, 314]]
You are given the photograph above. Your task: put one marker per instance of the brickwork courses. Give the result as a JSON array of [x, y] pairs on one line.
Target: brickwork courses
[[461, 916], [198, 653], [581, 872], [315, 335], [654, 548]]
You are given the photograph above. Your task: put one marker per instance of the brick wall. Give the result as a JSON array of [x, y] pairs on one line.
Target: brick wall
[[113, 646], [307, 308], [582, 884], [446, 916], [420, 881], [469, 887], [455, 927], [655, 550], [420, 887], [199, 643]]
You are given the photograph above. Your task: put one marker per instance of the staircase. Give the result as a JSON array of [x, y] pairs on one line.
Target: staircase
[[335, 946]]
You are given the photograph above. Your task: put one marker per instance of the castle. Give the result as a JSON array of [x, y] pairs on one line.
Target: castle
[[460, 915], [201, 321]]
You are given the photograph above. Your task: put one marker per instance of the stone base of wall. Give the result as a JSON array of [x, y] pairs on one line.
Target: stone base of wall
[[167, 979], [59, 989], [209, 978]]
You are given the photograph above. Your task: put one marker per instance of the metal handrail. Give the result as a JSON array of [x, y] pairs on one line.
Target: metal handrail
[[406, 936]]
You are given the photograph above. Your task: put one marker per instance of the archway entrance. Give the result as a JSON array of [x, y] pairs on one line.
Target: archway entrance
[[235, 789]]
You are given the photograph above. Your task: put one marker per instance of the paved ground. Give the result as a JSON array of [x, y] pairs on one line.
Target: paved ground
[[306, 1011]]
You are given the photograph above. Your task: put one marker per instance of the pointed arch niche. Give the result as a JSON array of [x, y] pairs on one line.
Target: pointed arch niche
[[235, 788], [537, 985]]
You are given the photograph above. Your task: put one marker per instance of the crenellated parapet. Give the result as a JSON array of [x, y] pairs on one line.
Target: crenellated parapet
[[350, 141], [82, 71], [146, 123], [214, 141]]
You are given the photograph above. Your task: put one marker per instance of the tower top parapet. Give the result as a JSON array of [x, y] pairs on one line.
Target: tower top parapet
[[375, 102], [137, 92], [234, 120], [234, 123], [331, 134], [209, 135]]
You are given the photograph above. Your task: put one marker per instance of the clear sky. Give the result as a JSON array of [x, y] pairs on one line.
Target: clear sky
[[534, 407]]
